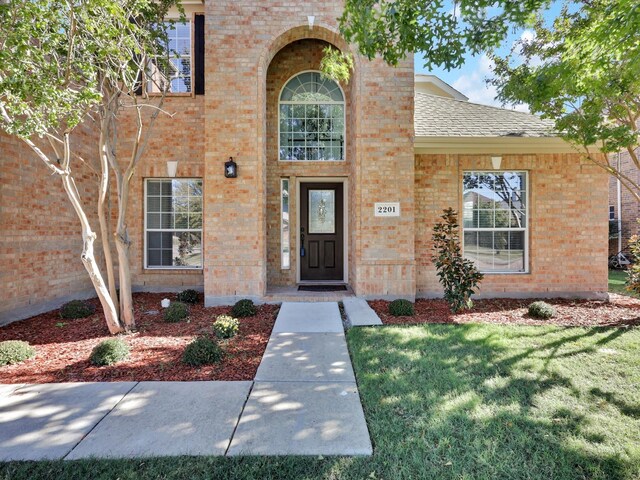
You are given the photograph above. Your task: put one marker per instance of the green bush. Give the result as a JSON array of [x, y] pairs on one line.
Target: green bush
[[401, 308], [243, 308], [76, 309], [188, 296], [226, 326], [633, 271], [459, 276], [541, 310], [176, 312], [109, 352], [202, 351], [15, 351]]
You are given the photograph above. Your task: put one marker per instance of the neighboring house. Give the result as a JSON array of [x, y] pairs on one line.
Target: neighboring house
[[624, 209], [335, 183]]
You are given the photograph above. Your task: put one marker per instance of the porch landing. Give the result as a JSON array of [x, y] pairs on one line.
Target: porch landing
[[292, 294]]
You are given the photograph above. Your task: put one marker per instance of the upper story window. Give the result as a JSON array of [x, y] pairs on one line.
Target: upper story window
[[173, 72], [612, 212], [312, 119], [494, 221]]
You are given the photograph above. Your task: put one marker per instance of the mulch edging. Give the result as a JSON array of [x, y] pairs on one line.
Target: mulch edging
[[620, 311], [63, 346]]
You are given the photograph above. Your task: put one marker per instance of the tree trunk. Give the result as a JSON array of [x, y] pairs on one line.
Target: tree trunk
[[126, 301], [88, 258], [102, 216]]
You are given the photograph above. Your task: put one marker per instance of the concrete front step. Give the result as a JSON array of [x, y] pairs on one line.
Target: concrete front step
[[359, 313]]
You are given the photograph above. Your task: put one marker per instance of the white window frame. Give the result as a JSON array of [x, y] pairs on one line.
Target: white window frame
[[612, 212], [151, 87], [201, 229], [344, 118], [525, 229]]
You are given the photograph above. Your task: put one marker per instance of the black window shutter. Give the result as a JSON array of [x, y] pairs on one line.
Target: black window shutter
[[198, 55]]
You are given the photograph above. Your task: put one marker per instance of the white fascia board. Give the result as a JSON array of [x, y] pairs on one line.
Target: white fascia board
[[488, 145]]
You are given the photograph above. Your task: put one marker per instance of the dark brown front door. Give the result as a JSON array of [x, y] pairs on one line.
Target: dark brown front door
[[321, 231]]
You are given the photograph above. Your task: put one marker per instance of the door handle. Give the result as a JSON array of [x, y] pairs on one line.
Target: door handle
[[302, 250]]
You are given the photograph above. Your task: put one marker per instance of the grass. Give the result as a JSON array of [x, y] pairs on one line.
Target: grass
[[617, 279], [455, 402]]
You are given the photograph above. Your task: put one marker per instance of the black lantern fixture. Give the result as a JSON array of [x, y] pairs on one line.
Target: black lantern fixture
[[230, 168]]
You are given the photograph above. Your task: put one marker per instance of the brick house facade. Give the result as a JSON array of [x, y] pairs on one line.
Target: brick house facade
[[401, 149], [625, 213]]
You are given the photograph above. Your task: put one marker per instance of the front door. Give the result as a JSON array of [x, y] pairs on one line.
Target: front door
[[321, 232]]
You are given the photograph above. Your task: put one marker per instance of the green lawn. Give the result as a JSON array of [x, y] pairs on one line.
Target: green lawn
[[456, 402], [617, 279]]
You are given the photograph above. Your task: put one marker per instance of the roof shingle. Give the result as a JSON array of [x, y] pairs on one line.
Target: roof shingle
[[446, 117]]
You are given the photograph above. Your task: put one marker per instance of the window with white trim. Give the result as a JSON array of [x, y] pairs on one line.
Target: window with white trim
[[612, 212], [494, 221], [311, 119], [173, 223], [173, 72]]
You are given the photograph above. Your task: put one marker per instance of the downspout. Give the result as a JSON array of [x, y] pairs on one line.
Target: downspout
[[619, 207]]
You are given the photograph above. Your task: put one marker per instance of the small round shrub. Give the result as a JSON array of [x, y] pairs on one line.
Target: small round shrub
[[176, 312], [541, 310], [109, 352], [188, 296], [202, 351], [226, 326], [15, 351], [76, 309], [401, 308], [243, 308]]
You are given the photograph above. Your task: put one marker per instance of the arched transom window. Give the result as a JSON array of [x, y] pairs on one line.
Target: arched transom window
[[311, 119]]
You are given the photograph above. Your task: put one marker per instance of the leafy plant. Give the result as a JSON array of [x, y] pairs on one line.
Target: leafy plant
[[459, 276], [336, 64], [226, 326], [633, 271], [15, 351], [76, 309], [401, 308], [202, 351], [188, 296], [176, 312], [243, 308], [108, 352], [541, 310]]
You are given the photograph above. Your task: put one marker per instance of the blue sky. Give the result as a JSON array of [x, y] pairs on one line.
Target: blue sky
[[470, 78]]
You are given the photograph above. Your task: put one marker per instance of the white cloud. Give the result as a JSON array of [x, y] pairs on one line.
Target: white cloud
[[474, 86]]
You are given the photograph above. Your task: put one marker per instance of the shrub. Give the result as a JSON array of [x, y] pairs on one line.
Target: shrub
[[401, 308], [459, 276], [15, 351], [243, 308], [77, 309], [541, 310], [633, 271], [109, 352], [188, 296], [176, 312], [202, 351], [226, 326]]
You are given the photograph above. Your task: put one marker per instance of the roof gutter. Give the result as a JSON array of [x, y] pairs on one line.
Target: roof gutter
[[495, 145]]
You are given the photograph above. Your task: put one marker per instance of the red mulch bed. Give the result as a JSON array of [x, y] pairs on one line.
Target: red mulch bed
[[619, 311], [62, 351]]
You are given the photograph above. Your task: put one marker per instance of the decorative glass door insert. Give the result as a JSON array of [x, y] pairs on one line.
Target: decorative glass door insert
[[322, 211]]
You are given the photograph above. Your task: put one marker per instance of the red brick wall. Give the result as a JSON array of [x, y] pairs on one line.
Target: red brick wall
[[40, 240], [630, 208], [567, 222]]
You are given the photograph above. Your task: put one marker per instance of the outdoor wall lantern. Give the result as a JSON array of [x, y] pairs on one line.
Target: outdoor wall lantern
[[311, 19], [495, 162], [172, 168], [230, 168]]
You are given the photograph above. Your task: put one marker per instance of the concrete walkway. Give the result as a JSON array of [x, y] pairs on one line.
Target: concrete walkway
[[304, 401]]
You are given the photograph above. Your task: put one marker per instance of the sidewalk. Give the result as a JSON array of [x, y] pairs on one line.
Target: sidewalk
[[304, 401]]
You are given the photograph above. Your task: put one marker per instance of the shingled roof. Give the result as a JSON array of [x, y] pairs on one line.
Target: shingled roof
[[437, 116]]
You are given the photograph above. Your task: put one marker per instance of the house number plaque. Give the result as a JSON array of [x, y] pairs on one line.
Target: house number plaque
[[387, 209]]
